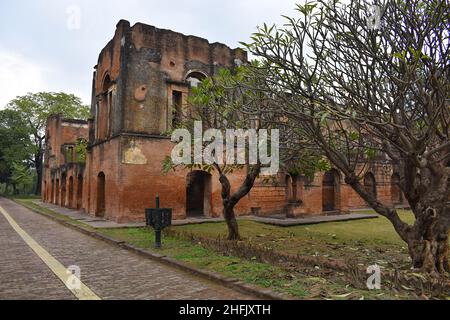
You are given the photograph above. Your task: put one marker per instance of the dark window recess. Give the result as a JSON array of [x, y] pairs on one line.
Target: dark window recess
[[177, 102], [70, 155]]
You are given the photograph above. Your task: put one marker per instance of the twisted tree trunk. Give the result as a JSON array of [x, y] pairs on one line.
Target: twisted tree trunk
[[231, 200], [427, 239]]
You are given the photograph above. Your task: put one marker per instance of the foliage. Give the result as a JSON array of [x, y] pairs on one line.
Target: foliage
[[15, 147], [81, 149], [22, 177], [31, 113]]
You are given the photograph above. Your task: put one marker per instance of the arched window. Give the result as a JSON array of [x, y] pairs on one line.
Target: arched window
[[104, 112], [106, 83], [194, 78]]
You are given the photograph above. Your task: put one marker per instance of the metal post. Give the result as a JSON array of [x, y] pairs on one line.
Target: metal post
[[158, 239], [158, 227]]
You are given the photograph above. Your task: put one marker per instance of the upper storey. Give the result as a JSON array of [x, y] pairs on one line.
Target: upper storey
[[143, 77], [61, 139]]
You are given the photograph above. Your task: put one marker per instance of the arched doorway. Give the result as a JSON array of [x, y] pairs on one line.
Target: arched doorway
[[52, 199], [198, 194], [330, 191], [289, 189], [63, 190], [45, 191], [80, 192], [370, 184], [292, 192], [101, 195], [58, 193], [70, 202], [396, 193]]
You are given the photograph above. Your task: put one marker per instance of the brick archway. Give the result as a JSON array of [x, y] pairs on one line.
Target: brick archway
[[52, 192], [370, 184], [101, 195], [396, 192], [331, 191], [45, 191], [63, 190], [57, 193], [79, 192], [71, 195]]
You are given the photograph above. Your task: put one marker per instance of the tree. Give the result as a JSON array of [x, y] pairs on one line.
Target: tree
[[34, 110], [15, 145], [229, 102], [367, 83], [21, 177], [218, 104]]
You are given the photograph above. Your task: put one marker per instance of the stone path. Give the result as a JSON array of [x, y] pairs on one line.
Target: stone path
[[315, 220], [100, 223], [110, 272]]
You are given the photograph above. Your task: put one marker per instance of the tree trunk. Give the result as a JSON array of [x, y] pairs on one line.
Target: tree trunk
[[233, 228], [428, 241], [430, 255], [38, 161], [230, 201]]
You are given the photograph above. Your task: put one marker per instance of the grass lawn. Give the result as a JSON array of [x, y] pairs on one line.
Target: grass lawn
[[365, 241]]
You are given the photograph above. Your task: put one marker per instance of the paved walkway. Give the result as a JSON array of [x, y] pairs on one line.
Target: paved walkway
[[109, 272], [278, 220], [314, 220]]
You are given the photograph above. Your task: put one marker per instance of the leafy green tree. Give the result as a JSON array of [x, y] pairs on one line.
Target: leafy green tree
[[21, 177], [15, 145], [34, 110]]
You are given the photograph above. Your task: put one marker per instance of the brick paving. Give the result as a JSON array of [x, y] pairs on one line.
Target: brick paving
[[111, 272]]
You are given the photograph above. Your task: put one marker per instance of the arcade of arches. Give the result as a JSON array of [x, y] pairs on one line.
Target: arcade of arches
[[140, 92]]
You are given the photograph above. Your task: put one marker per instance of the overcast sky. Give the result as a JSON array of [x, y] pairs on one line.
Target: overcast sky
[[42, 48]]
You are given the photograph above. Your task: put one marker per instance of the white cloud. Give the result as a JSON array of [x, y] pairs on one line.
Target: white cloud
[[60, 59], [18, 76]]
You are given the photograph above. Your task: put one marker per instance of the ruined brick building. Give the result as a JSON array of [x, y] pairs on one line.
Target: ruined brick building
[[140, 87]]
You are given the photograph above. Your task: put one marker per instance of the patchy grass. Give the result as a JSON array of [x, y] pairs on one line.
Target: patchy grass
[[364, 241], [30, 204], [293, 282], [24, 197]]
